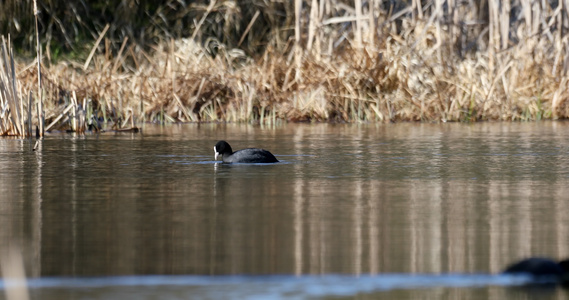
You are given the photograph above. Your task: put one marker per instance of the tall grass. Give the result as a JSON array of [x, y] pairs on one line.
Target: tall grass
[[12, 114], [321, 60], [39, 93]]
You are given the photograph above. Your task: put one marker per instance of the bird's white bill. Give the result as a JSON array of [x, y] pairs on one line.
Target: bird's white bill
[[216, 155]]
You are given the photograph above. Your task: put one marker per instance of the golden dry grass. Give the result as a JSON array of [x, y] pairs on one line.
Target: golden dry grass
[[421, 61]]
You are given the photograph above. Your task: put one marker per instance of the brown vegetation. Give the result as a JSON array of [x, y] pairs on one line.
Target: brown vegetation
[[323, 60]]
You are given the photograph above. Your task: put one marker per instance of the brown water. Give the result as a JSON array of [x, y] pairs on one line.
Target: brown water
[[349, 200]]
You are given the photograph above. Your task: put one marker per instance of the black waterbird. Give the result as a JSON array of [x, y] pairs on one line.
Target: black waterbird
[[542, 268], [249, 155]]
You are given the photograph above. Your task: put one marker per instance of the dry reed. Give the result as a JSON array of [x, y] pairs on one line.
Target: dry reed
[[377, 61], [12, 119]]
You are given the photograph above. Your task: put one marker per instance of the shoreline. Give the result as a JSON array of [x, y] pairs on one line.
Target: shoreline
[[409, 69]]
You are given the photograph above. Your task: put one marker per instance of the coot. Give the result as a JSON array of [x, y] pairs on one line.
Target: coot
[[541, 267], [250, 155]]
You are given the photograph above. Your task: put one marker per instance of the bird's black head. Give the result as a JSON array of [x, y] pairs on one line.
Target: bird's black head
[[222, 147], [565, 265]]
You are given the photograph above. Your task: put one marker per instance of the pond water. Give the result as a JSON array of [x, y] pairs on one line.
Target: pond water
[[376, 211]]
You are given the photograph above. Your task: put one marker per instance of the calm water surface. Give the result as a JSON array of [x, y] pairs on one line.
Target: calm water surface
[[369, 211]]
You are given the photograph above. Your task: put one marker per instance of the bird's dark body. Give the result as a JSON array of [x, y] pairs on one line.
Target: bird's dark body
[[537, 266], [250, 155]]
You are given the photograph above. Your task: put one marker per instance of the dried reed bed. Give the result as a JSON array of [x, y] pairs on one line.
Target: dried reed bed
[[362, 61], [15, 118]]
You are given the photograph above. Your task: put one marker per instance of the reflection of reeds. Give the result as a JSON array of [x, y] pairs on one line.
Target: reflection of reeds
[[327, 61], [13, 273]]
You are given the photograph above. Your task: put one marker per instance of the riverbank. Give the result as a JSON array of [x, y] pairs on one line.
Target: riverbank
[[342, 64]]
